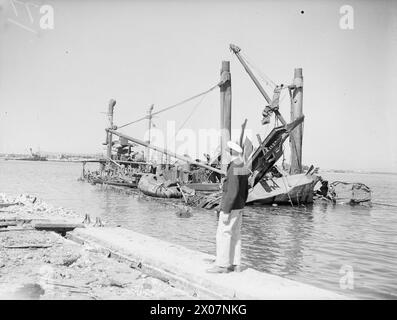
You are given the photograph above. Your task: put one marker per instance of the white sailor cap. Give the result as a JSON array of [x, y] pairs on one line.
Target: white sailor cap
[[234, 146]]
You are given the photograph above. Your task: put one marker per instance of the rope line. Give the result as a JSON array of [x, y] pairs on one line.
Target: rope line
[[191, 114], [288, 190], [172, 106]]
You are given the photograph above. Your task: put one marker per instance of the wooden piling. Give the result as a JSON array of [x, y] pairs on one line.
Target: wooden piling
[[296, 135], [149, 133], [226, 110], [112, 103]]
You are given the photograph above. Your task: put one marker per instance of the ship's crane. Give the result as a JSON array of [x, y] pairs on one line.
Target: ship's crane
[[270, 149], [273, 104]]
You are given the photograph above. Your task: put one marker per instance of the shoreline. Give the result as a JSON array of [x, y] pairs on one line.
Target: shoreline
[[173, 271]]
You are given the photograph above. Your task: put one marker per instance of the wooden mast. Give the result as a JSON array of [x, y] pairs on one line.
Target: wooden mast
[[226, 110], [296, 135]]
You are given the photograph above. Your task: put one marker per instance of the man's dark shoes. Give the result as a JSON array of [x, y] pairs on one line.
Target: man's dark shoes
[[237, 268]]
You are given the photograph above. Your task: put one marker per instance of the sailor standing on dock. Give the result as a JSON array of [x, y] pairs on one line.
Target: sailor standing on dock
[[235, 192]]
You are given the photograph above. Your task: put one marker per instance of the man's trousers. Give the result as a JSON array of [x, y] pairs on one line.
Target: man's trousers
[[228, 239]]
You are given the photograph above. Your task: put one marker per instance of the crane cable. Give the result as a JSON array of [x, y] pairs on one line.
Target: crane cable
[[172, 106], [268, 81], [191, 114], [260, 73]]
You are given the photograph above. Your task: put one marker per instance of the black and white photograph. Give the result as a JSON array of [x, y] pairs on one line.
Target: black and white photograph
[[209, 152]]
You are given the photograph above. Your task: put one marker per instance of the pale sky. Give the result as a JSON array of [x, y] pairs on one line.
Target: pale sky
[[55, 84]]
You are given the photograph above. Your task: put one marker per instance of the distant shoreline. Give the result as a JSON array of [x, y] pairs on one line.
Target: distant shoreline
[[321, 171], [358, 172], [52, 160]]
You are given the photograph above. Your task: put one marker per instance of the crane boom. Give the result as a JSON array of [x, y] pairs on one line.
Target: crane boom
[[165, 151], [236, 50]]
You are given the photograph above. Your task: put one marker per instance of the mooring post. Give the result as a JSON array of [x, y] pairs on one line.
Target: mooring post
[[83, 172], [112, 103], [149, 131], [226, 110], [296, 135]]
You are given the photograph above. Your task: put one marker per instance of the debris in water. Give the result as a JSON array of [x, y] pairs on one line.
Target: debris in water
[[184, 212], [344, 192]]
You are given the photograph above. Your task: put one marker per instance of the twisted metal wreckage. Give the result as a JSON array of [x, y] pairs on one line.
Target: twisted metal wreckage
[[199, 182]]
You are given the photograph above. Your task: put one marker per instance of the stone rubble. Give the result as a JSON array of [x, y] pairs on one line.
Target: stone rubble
[[65, 270]]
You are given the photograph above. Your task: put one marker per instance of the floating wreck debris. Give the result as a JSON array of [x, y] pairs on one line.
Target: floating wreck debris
[[199, 182], [345, 192]]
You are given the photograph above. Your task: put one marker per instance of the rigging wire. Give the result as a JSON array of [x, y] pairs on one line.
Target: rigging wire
[[172, 106], [268, 81], [259, 72], [191, 113]]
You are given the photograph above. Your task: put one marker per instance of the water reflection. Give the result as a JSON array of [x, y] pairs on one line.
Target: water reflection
[[276, 237]]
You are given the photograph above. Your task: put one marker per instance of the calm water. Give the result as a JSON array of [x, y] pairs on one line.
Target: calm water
[[310, 244]]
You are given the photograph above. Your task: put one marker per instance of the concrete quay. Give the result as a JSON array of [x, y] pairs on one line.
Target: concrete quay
[[185, 268]]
